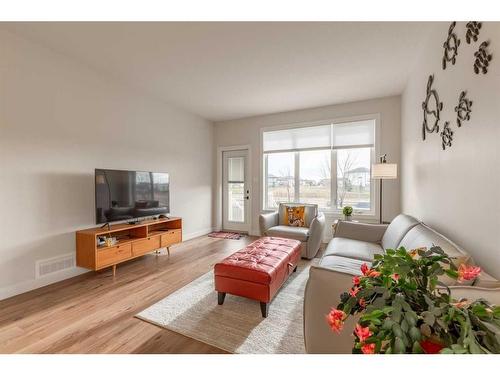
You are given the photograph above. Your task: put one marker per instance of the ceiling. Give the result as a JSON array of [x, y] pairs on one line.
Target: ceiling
[[231, 70]]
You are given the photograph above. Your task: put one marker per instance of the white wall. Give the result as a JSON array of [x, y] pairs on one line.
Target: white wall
[[58, 121], [247, 132], [456, 190]]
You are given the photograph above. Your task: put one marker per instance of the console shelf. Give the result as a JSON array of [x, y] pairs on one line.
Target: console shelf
[[133, 240]]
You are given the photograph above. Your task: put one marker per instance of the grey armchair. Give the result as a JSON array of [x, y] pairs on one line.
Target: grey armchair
[[311, 235]]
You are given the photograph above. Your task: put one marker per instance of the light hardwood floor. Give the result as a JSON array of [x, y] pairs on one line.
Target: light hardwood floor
[[94, 312]]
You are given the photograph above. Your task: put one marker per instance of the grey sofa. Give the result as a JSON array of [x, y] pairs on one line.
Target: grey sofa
[[354, 244], [311, 235]]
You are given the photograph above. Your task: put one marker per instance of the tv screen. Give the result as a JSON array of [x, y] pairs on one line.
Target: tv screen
[[126, 195]]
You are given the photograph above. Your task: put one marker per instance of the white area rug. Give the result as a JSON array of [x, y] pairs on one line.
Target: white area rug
[[237, 326]]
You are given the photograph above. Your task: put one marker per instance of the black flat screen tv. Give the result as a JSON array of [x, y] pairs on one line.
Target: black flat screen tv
[[129, 195]]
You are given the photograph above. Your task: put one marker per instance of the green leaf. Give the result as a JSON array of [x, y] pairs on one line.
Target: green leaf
[[429, 318], [417, 349], [414, 334], [397, 330], [399, 346]]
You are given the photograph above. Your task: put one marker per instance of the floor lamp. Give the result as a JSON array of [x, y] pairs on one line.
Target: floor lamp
[[384, 171]]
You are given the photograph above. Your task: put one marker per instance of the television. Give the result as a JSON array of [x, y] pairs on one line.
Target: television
[[129, 195]]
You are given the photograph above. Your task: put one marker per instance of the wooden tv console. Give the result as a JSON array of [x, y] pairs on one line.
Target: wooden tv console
[[133, 240]]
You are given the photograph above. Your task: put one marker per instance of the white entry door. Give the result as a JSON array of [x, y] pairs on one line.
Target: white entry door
[[235, 191]]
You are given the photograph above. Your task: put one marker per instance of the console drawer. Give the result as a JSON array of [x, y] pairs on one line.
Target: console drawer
[[171, 237], [146, 246], [113, 255]]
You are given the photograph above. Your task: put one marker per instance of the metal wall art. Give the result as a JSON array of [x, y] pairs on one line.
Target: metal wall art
[[472, 32], [432, 108], [446, 135], [450, 46], [463, 109], [483, 58]]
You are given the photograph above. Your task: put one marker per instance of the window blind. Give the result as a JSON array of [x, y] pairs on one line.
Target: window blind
[[342, 135]]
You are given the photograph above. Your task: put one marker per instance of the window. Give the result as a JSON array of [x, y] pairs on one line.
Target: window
[[328, 165]]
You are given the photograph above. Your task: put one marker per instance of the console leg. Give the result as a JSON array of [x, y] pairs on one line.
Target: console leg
[[264, 308], [220, 297], [114, 270]]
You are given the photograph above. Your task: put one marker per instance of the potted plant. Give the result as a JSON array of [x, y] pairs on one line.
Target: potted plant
[[403, 307], [347, 211]]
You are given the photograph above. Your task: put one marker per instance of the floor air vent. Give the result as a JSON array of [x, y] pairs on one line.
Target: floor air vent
[[52, 265]]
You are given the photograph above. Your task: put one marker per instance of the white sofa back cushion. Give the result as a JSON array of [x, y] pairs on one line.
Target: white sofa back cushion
[[396, 230]]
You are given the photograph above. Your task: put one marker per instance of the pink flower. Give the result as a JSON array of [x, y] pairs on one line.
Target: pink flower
[[395, 276], [362, 302], [356, 280], [362, 332], [354, 291], [368, 348], [335, 320], [461, 304], [372, 273], [364, 268], [468, 272]]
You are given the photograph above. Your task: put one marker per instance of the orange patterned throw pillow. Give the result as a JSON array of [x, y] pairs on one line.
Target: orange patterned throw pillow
[[294, 216]]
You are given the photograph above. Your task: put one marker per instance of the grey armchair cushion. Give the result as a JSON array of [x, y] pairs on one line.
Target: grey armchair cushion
[[310, 212], [353, 249], [295, 233], [397, 230]]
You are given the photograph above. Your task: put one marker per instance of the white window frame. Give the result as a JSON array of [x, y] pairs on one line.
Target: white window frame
[[335, 212]]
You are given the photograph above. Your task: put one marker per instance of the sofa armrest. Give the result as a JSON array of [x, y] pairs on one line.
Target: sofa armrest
[[315, 235], [360, 231], [267, 221], [322, 292]]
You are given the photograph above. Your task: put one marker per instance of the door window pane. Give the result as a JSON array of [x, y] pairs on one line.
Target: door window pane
[[280, 179], [353, 178], [236, 202], [315, 178], [236, 169]]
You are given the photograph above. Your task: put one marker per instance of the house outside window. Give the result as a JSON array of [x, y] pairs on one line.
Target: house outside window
[[327, 164]]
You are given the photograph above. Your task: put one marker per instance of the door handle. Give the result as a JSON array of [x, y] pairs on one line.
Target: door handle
[[247, 197]]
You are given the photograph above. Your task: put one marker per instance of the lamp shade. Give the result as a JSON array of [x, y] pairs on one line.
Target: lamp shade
[[385, 171]]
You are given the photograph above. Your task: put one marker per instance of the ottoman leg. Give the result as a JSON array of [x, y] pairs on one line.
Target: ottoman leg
[[220, 297], [264, 308], [295, 269]]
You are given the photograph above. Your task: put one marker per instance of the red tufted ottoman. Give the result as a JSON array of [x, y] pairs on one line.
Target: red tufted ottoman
[[258, 270]]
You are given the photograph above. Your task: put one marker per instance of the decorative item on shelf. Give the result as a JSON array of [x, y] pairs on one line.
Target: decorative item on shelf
[[347, 211], [472, 32], [110, 241], [446, 135], [463, 109], [450, 46], [432, 107], [401, 309], [483, 58], [384, 171]]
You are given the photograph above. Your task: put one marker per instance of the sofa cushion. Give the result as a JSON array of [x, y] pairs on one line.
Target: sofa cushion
[[295, 233], [397, 230], [310, 212], [342, 264], [423, 236], [346, 247]]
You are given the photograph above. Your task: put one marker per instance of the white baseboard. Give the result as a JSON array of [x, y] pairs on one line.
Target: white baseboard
[[28, 285], [198, 233]]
